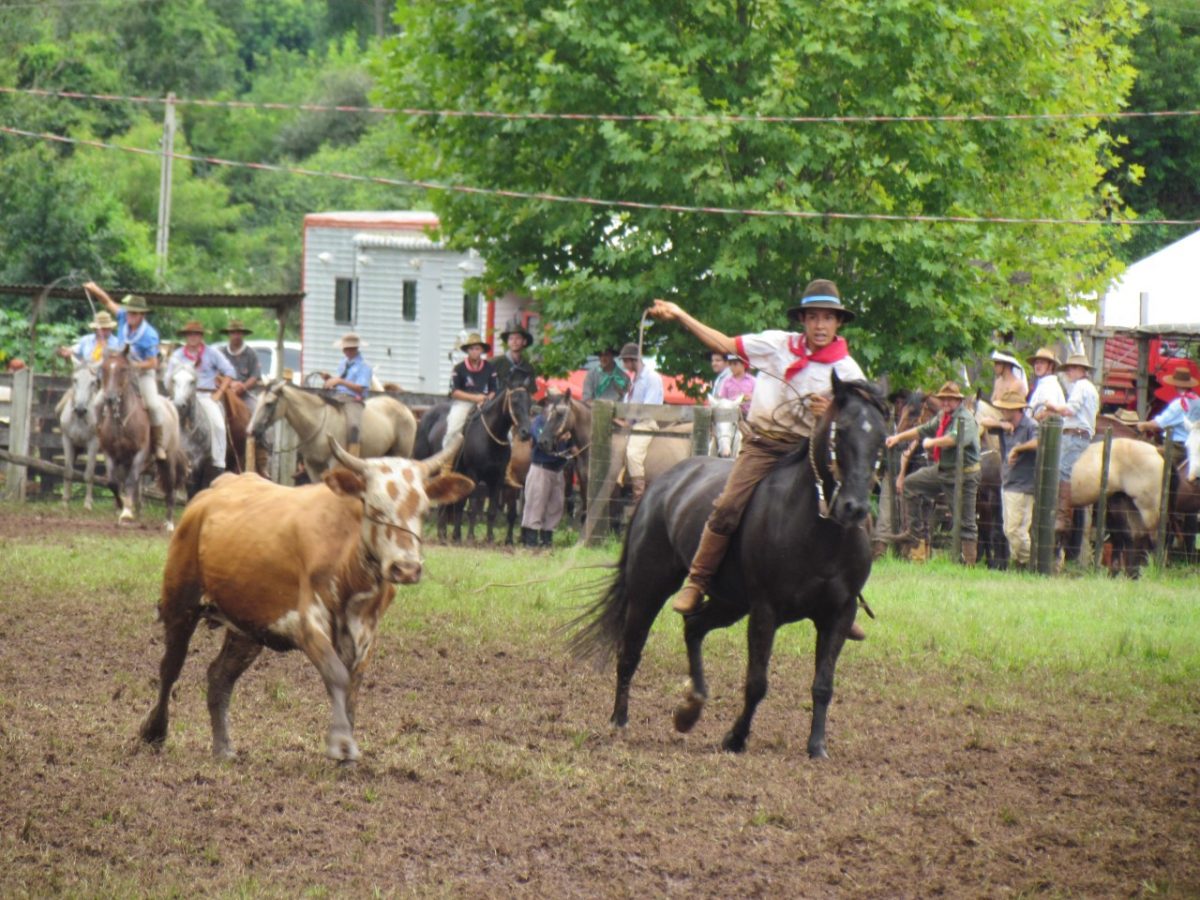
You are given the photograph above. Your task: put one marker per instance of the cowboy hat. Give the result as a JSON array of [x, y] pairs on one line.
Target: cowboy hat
[[1077, 359], [235, 326], [820, 294], [1180, 378], [1126, 416], [504, 335], [472, 340], [134, 304], [1044, 353], [103, 320], [630, 351], [1003, 356], [949, 391], [609, 349], [1010, 400], [192, 327], [350, 340]]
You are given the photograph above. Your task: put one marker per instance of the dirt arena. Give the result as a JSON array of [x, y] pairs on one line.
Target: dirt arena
[[489, 770]]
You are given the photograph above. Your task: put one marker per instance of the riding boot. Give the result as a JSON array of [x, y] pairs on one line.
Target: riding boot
[[546, 538], [970, 552], [528, 537], [705, 563], [157, 447], [638, 485], [856, 633]]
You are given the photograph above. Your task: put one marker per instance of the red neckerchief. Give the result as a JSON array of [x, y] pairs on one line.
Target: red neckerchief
[[942, 426], [1185, 396], [197, 357], [478, 368], [830, 353]]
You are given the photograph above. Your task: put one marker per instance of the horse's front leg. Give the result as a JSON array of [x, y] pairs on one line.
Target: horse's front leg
[[493, 506], [760, 639], [831, 637], [695, 628], [93, 448], [69, 469]]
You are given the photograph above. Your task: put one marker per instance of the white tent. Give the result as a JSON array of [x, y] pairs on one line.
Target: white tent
[[1170, 279]]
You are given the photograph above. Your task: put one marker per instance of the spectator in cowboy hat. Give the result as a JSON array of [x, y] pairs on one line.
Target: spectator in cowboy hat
[[940, 436], [350, 386], [91, 347], [471, 383], [249, 377], [1018, 453], [141, 339], [1047, 388], [791, 365], [1079, 424], [645, 386], [1177, 417], [606, 381], [1010, 376], [207, 363], [512, 367]]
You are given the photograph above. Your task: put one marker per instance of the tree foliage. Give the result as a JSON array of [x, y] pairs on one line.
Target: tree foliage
[[929, 295]]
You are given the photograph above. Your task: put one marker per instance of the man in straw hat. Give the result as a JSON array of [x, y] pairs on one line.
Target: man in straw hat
[[645, 386], [606, 381], [91, 347], [1177, 418], [513, 367], [248, 366], [207, 363], [940, 436], [1010, 376], [793, 391], [141, 339], [1047, 388], [1079, 424], [1018, 454], [350, 385], [471, 383]]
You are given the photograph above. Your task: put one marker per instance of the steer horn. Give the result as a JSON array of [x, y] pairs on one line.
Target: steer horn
[[434, 463], [349, 460]]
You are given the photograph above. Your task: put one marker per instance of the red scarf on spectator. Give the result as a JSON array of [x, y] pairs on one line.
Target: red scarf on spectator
[[1185, 396], [830, 353], [942, 426]]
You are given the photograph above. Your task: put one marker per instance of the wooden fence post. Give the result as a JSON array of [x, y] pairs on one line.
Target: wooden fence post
[[702, 417], [1102, 501], [599, 465], [19, 424], [1046, 502], [1164, 504], [957, 512]]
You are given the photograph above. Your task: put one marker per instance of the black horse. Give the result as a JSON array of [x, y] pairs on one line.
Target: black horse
[[484, 456], [790, 559]]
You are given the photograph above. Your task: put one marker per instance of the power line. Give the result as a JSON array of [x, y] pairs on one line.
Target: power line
[[66, 4], [595, 201], [708, 118]]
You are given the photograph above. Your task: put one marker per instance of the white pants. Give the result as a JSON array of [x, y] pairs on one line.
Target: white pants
[[1018, 518], [148, 387], [637, 447], [456, 420], [216, 427]]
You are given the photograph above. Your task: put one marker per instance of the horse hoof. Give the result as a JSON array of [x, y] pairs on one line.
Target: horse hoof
[[687, 713], [733, 744], [818, 752]]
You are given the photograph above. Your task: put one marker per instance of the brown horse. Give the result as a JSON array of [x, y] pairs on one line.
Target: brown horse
[[567, 417], [124, 430]]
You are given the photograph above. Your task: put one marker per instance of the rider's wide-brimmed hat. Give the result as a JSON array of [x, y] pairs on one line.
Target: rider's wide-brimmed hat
[[1180, 378], [504, 335], [1010, 400], [821, 293], [1077, 359], [349, 341], [1045, 353], [631, 351], [475, 340], [1126, 416], [1004, 356], [103, 320], [134, 304], [235, 326], [949, 391], [192, 327]]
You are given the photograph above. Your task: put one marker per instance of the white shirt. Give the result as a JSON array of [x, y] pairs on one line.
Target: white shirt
[[1048, 390], [1084, 403], [775, 404]]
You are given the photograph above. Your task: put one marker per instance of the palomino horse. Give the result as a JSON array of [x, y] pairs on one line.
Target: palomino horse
[[567, 417], [78, 426], [801, 552], [388, 426], [123, 428], [486, 452]]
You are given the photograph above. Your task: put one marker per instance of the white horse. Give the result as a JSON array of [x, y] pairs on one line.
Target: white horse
[[726, 435], [195, 429], [1135, 469], [77, 422]]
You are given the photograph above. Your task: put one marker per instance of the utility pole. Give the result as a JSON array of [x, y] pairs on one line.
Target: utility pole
[[164, 187]]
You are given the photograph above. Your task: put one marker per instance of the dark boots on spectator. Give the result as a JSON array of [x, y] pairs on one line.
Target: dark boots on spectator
[[529, 537], [546, 538]]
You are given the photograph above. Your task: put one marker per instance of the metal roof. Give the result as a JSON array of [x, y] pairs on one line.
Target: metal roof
[[171, 300]]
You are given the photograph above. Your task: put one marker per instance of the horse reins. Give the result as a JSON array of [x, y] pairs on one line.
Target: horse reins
[[508, 392], [824, 506]]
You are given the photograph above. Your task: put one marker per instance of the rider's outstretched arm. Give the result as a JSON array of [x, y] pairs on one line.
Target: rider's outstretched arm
[[709, 336]]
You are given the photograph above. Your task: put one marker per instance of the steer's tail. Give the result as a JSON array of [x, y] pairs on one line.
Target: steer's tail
[[599, 629]]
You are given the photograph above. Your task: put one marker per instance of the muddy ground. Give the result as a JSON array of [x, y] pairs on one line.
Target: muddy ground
[[488, 770]]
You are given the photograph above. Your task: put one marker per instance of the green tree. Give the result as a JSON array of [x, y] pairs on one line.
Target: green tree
[[928, 294]]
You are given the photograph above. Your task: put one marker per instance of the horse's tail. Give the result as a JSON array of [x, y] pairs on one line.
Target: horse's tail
[[599, 629]]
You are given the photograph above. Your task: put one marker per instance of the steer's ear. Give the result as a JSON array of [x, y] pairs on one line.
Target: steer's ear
[[448, 488], [343, 481]]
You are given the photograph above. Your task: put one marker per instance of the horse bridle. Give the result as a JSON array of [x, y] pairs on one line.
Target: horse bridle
[[274, 416], [508, 395], [558, 435], [824, 507]]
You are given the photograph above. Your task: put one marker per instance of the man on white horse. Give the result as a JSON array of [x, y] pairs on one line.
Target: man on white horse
[[91, 347], [141, 339], [208, 364]]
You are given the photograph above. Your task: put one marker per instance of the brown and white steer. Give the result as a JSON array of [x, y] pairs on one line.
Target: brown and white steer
[[310, 568]]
